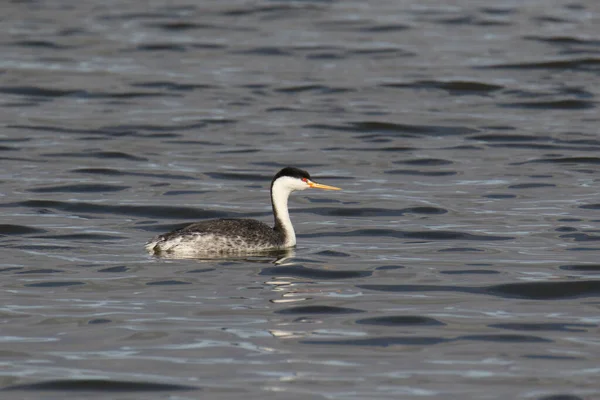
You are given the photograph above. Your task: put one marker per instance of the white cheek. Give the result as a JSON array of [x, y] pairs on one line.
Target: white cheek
[[288, 184], [301, 185]]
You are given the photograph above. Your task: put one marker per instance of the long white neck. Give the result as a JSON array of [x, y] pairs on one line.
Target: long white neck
[[280, 192]]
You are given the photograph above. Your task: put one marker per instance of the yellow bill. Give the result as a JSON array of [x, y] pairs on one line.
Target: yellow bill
[[316, 185]]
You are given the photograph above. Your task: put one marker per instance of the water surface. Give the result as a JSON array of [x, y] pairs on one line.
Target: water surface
[[460, 261]]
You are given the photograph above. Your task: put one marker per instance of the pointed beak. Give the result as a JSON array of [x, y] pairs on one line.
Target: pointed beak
[[316, 185]]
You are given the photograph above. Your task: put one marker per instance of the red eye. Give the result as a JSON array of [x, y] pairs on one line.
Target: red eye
[[304, 179]]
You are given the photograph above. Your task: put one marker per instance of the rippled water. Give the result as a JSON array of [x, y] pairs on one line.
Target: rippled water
[[462, 259]]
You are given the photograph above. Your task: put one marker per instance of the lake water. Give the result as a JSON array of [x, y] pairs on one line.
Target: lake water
[[461, 260]]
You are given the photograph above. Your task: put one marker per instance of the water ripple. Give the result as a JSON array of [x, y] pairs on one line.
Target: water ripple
[[318, 309], [523, 290], [298, 271], [79, 188], [133, 210], [375, 212], [530, 326], [7, 229], [99, 385], [400, 320], [452, 87], [424, 235], [585, 63]]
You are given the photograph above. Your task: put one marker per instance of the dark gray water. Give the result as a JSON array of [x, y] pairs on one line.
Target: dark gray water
[[462, 259]]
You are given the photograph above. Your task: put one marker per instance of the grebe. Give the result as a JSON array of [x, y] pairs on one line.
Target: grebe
[[241, 235]]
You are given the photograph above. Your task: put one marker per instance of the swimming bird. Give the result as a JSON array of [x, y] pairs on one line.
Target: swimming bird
[[226, 236]]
